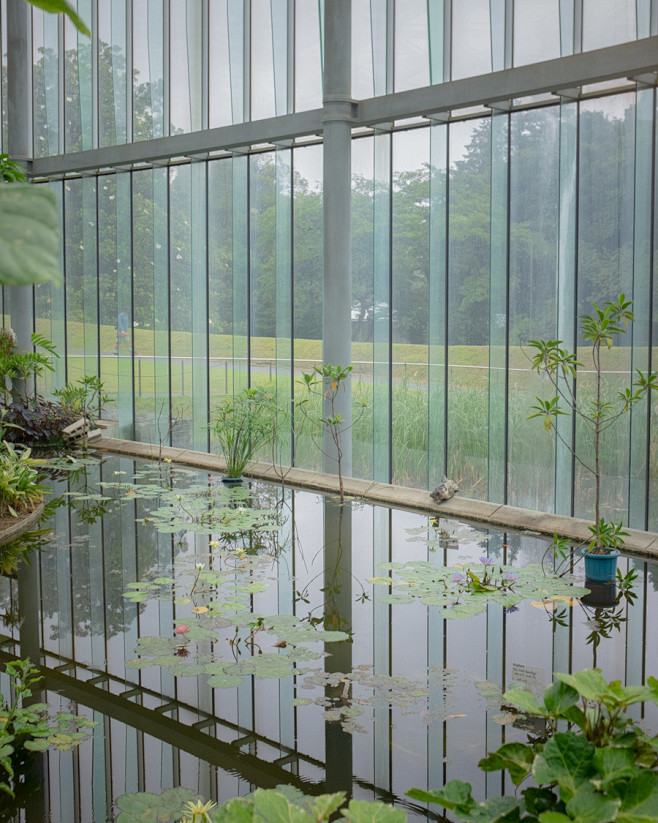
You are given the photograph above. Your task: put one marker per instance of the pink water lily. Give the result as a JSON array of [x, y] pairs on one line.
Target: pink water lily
[[182, 629]]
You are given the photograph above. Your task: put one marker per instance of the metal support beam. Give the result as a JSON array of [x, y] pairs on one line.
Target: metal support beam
[[337, 124]]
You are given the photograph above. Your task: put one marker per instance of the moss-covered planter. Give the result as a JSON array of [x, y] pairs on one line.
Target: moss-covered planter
[[13, 527]]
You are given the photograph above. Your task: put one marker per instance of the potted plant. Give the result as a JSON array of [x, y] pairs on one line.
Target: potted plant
[[596, 413], [243, 425]]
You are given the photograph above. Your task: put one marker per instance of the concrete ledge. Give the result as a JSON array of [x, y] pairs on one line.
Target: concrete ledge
[[481, 511], [21, 524]]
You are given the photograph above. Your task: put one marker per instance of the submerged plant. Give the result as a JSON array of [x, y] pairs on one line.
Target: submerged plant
[[597, 414]]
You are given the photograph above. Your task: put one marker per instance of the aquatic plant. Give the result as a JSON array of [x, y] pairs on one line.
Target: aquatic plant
[[463, 591], [85, 397], [30, 727], [243, 425], [604, 772], [597, 414], [285, 803]]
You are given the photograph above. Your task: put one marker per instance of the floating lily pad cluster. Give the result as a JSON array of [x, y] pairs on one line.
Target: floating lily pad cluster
[[222, 637], [349, 695], [444, 533], [461, 592]]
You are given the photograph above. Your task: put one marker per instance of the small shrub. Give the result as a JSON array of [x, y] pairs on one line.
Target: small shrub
[[19, 481]]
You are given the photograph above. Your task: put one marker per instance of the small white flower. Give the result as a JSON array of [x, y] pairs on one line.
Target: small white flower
[[199, 566]]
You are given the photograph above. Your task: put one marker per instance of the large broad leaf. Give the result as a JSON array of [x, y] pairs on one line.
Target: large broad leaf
[[590, 683], [60, 7], [364, 811], [613, 765], [29, 235], [515, 757], [567, 760], [275, 808], [559, 697], [236, 810], [526, 701], [640, 800], [456, 794], [588, 806], [154, 807]]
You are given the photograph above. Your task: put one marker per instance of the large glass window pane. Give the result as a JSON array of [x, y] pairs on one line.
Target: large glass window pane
[[410, 301], [536, 31], [412, 64], [262, 61], [45, 82], [221, 43], [78, 84], [112, 79], [362, 303], [262, 274], [185, 65], [534, 189], [468, 305], [607, 22], [362, 71], [148, 69], [3, 76], [307, 286], [471, 39], [308, 56], [605, 268]]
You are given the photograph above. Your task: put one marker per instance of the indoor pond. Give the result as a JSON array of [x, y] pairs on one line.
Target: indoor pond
[[224, 638]]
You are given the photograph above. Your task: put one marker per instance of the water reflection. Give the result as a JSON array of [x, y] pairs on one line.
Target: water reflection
[[409, 699]]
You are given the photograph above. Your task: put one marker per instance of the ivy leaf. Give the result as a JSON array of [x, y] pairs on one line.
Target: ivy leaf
[[567, 760], [29, 235]]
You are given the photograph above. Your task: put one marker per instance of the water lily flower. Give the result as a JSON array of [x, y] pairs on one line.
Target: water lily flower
[[200, 566], [167, 460], [182, 629], [458, 578], [486, 561], [197, 812], [213, 543], [511, 577]]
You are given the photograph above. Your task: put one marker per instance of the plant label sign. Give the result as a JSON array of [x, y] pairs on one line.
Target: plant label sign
[[532, 677]]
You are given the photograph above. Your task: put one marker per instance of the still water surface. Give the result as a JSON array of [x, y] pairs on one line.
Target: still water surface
[[411, 699]]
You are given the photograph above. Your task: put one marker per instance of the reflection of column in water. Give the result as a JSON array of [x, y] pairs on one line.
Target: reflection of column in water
[[285, 599], [436, 659], [30, 647], [338, 616], [381, 620], [635, 635], [495, 661]]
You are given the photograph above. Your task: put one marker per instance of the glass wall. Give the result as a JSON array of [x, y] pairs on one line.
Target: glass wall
[[192, 278]]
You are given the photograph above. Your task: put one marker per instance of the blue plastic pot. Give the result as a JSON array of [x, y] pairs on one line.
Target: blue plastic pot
[[602, 567]]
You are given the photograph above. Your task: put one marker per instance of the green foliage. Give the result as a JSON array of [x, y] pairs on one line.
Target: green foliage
[[604, 772], [285, 804], [242, 426], [85, 397], [23, 365], [29, 235], [30, 727], [20, 489], [597, 413], [62, 7], [10, 171]]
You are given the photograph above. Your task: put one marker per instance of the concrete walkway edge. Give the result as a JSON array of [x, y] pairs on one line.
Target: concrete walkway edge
[[497, 515]]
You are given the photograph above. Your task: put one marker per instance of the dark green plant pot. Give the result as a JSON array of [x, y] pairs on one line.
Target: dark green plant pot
[[232, 481], [601, 595], [602, 568]]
